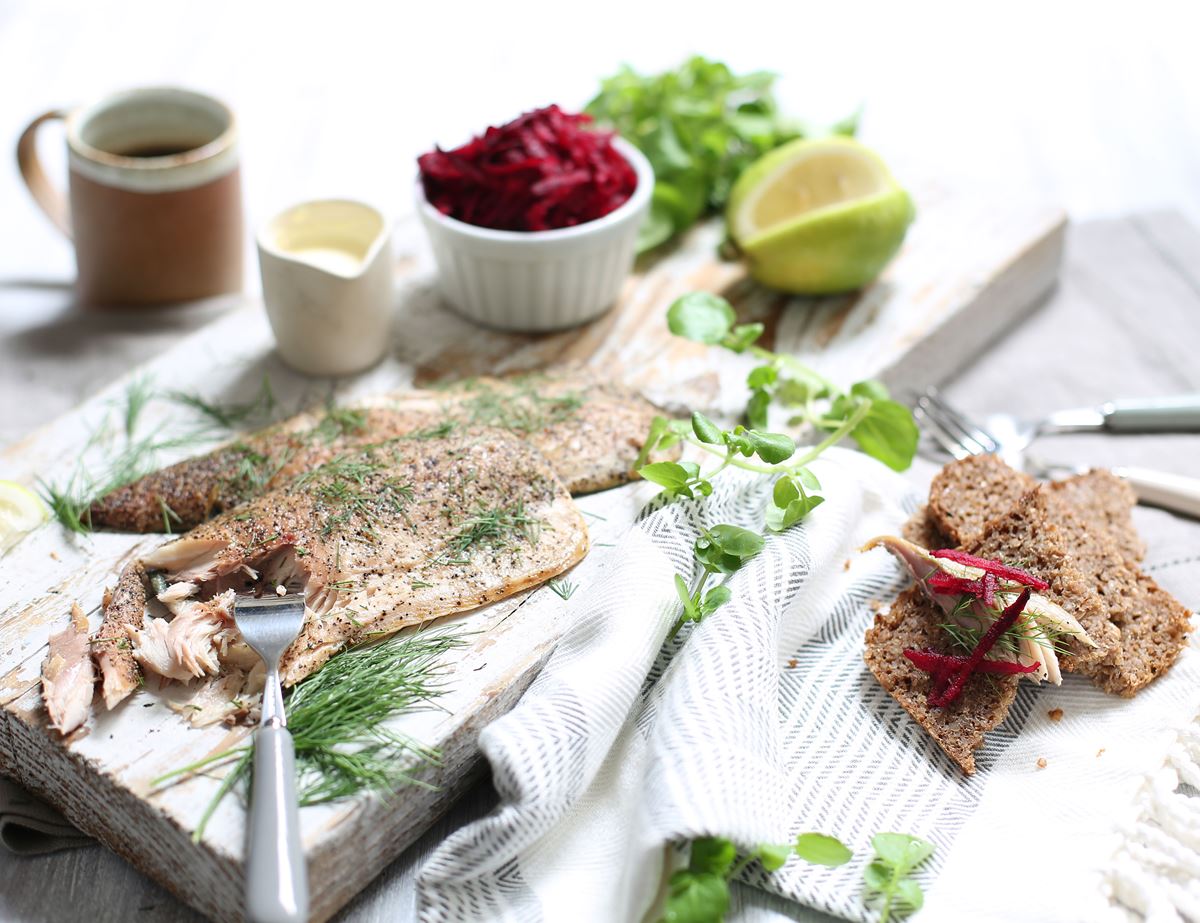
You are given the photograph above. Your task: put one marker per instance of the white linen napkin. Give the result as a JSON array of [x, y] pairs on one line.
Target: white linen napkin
[[764, 722]]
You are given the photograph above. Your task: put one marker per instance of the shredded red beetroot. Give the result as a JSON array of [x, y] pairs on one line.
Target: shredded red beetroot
[[990, 637], [947, 584], [1022, 577], [950, 674], [541, 171], [945, 664]]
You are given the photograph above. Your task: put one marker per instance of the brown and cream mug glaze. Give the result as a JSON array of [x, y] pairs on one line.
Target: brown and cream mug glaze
[[155, 207]]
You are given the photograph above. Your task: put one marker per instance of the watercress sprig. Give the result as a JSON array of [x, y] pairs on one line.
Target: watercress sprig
[[883, 428], [723, 549], [793, 495], [700, 892], [896, 855]]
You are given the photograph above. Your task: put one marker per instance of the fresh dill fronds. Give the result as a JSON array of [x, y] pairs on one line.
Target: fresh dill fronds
[[523, 411], [495, 528], [352, 489], [230, 414], [339, 421], [337, 717], [168, 514], [437, 431], [966, 629], [138, 393], [562, 588]]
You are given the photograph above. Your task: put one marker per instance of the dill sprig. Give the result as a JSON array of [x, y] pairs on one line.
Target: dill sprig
[[967, 627], [523, 411], [338, 422], [436, 431], [348, 489], [230, 414], [495, 528], [337, 718], [138, 393], [562, 588]]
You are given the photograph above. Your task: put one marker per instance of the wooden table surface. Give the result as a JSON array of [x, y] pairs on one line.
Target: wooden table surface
[[1086, 105], [1123, 323]]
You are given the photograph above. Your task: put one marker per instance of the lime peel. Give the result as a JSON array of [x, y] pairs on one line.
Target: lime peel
[[21, 511], [818, 217]]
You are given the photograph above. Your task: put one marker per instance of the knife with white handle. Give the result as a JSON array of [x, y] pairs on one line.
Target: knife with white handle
[[1175, 492]]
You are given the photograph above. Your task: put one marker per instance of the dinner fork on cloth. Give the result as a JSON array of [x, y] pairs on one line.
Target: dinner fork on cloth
[[960, 436]]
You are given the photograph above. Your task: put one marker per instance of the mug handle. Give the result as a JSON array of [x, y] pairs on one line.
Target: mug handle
[[49, 199]]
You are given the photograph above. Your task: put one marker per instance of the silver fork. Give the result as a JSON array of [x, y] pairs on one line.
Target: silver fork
[[961, 437], [276, 876], [1008, 435]]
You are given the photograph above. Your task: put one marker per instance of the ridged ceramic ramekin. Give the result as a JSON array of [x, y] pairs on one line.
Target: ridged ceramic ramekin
[[539, 280]]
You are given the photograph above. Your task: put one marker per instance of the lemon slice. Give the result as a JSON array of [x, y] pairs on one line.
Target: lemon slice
[[818, 217], [21, 511]]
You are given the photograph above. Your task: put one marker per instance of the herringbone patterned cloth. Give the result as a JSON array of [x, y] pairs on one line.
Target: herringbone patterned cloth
[[763, 722]]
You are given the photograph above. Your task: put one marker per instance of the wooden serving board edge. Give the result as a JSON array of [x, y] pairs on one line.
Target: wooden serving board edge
[[1014, 293]]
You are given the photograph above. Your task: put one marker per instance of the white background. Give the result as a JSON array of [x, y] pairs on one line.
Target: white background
[[1095, 105]]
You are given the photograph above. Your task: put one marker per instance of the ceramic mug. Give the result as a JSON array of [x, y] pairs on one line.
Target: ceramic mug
[[155, 206]]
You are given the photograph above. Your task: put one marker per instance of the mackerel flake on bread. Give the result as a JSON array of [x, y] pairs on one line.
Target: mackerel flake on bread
[[914, 622], [1029, 537]]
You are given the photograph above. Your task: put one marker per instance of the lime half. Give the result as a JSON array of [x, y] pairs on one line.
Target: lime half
[[818, 217], [21, 511]]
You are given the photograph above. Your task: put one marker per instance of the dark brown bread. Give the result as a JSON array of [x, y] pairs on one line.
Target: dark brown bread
[[912, 622], [921, 530], [1153, 625], [1029, 537], [1104, 503], [967, 494]]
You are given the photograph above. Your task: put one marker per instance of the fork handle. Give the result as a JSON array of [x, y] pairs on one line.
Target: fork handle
[[276, 878], [1174, 492], [1177, 414]]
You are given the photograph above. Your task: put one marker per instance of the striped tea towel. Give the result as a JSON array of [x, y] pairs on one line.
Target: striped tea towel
[[763, 722]]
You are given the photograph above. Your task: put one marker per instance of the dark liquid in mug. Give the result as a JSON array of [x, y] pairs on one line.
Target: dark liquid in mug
[[158, 149]]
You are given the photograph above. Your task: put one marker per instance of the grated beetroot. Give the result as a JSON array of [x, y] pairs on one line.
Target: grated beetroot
[[541, 171], [932, 662], [947, 584], [957, 681], [1022, 577]]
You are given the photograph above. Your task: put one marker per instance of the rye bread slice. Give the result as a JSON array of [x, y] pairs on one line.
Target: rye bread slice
[[1029, 536], [913, 622], [1104, 502], [967, 494], [1153, 625], [921, 530]]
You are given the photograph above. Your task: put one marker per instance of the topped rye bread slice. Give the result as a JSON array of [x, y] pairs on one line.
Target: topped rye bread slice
[[913, 622], [1029, 537]]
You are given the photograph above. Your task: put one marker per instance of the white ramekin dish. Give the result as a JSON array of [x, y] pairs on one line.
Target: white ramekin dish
[[539, 280]]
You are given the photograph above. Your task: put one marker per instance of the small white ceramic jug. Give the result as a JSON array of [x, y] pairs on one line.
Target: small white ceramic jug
[[328, 285]]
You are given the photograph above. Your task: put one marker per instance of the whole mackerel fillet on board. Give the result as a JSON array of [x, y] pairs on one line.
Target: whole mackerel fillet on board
[[589, 431], [380, 538]]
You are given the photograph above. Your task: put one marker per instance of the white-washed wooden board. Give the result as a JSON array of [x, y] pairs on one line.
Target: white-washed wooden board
[[969, 269]]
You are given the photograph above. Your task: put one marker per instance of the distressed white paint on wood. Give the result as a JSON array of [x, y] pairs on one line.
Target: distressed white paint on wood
[[968, 268]]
